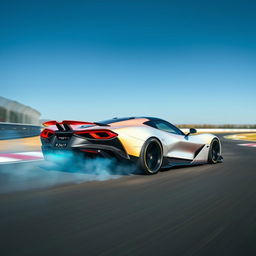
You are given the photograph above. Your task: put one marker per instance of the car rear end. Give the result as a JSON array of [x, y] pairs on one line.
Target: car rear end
[[81, 138]]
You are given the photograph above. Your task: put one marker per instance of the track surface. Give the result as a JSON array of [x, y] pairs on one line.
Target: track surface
[[203, 210]]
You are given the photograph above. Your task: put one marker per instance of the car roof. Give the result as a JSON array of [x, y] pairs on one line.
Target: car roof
[[121, 119]]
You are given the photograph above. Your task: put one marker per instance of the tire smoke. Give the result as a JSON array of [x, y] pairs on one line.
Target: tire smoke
[[64, 168]]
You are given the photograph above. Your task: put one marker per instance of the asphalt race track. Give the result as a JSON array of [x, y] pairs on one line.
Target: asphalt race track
[[203, 210]]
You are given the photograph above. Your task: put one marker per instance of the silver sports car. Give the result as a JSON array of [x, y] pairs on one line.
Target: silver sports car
[[151, 143]]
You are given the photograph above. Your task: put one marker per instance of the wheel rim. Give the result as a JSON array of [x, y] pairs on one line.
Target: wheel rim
[[215, 151], [153, 157]]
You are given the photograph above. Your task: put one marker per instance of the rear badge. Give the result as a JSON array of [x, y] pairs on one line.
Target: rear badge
[[63, 138], [60, 145]]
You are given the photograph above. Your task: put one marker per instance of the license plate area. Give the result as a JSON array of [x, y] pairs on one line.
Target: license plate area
[[63, 136], [61, 144], [62, 139]]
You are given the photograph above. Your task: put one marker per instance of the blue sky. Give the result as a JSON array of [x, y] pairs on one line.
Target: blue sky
[[185, 61]]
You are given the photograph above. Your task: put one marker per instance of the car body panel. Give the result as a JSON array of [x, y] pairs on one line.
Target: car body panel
[[132, 134]]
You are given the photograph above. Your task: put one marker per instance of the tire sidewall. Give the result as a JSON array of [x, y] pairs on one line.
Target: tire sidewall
[[142, 159], [210, 155]]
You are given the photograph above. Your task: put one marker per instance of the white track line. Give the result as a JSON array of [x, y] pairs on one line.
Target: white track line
[[8, 159], [21, 162], [39, 154], [248, 145]]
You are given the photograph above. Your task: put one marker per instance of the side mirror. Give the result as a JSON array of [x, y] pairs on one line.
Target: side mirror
[[191, 130]]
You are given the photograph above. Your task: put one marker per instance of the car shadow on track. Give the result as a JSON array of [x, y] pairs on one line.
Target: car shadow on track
[[180, 167], [91, 167], [102, 166]]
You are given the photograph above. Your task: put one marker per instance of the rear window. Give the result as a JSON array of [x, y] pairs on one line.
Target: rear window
[[108, 121], [115, 120]]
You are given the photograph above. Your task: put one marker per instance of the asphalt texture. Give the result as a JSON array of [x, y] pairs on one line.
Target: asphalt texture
[[202, 210]]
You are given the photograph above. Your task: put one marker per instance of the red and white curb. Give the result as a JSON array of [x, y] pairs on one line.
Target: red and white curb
[[20, 157], [248, 145]]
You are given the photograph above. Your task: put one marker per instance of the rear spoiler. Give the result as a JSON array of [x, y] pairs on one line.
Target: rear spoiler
[[50, 123], [66, 124]]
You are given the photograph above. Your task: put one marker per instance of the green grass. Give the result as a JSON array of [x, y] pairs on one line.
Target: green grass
[[242, 136]]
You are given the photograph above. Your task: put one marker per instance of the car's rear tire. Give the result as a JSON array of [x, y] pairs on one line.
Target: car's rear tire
[[214, 152], [151, 156]]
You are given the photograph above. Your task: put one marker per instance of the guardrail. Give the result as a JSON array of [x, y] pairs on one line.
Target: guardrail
[[14, 131]]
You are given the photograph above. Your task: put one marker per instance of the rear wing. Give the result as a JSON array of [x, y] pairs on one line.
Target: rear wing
[[71, 122], [66, 124]]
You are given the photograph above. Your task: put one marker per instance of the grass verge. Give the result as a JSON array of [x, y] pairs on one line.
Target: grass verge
[[20, 145], [242, 136]]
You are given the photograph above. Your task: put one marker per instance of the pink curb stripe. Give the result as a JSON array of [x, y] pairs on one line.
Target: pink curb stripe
[[21, 156]]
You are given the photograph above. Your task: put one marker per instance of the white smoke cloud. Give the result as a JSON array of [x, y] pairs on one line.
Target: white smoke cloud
[[62, 169]]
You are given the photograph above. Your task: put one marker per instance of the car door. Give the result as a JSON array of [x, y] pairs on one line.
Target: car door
[[179, 148]]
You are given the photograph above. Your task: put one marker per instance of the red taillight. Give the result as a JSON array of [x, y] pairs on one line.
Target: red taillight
[[46, 133], [90, 151], [97, 134]]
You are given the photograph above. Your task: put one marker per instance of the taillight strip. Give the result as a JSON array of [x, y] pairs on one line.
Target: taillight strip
[[46, 133], [98, 134]]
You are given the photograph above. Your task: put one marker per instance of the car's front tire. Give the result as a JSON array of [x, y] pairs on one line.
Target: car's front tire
[[214, 155], [151, 156]]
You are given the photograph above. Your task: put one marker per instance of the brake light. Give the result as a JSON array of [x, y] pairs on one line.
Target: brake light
[[47, 133], [97, 134], [90, 151]]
